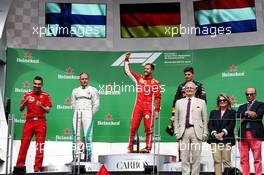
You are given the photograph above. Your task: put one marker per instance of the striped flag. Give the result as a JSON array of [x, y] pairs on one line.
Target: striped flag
[[75, 20], [149, 19], [235, 15]]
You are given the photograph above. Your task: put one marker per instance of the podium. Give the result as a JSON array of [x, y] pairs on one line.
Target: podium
[[134, 161]]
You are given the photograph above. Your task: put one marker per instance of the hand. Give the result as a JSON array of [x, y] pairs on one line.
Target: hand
[[156, 114], [172, 118], [221, 134], [28, 97], [204, 138], [252, 114], [127, 56], [218, 137], [22, 106], [38, 103]]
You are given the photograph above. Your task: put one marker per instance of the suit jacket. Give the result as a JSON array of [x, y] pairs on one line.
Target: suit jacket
[[256, 125], [217, 124], [199, 118]]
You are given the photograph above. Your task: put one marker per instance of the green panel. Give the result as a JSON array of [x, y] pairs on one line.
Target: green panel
[[228, 70]]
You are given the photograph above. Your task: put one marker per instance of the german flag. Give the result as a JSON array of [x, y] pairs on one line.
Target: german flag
[[149, 19]]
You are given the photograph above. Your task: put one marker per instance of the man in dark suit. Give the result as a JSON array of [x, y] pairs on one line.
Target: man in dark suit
[[251, 132], [180, 93]]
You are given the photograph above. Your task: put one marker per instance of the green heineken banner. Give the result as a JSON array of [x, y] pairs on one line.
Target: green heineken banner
[[229, 70]]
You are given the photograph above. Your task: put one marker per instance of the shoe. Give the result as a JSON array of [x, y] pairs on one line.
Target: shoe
[[129, 150], [144, 150], [1, 161], [72, 162], [37, 170], [88, 159]]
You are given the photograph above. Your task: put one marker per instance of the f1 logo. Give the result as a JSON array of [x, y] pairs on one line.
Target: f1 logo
[[138, 58]]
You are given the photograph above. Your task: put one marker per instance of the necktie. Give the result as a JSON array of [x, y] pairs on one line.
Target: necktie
[[187, 124], [248, 108]]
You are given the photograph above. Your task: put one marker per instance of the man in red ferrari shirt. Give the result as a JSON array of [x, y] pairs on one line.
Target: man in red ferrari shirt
[[38, 103], [148, 92]]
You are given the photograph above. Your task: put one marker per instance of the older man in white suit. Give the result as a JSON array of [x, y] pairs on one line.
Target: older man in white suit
[[190, 129]]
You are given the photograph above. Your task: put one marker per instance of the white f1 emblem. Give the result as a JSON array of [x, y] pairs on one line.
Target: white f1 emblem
[[143, 58]]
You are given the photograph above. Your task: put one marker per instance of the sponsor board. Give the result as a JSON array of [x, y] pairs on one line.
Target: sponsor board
[[27, 58], [109, 121], [68, 75], [233, 72]]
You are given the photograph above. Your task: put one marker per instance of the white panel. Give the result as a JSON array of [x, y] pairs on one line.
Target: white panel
[[3, 46], [3, 128]]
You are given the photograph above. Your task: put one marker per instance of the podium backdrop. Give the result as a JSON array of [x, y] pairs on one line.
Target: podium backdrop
[[228, 70]]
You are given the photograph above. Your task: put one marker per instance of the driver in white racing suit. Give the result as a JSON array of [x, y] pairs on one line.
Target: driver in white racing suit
[[85, 103]]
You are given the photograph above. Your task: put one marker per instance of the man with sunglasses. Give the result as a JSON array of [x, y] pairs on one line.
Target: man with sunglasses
[[251, 132]]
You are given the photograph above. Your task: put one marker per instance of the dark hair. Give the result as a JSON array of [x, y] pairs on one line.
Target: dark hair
[[188, 69], [151, 65], [38, 78], [84, 73]]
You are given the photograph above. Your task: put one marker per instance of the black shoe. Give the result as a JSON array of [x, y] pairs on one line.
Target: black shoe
[[88, 159], [19, 170], [37, 170], [1, 161]]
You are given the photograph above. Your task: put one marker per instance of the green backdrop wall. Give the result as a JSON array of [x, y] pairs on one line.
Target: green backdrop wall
[[228, 70]]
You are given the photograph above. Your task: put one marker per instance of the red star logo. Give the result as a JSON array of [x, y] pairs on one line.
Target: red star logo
[[66, 131], [25, 114], [109, 87], [233, 68], [26, 84], [232, 99], [69, 70], [27, 55], [68, 100], [109, 117]]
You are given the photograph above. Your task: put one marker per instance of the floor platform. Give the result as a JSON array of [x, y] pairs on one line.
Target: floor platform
[[125, 164]]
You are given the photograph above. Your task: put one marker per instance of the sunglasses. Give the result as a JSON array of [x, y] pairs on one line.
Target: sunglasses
[[250, 94], [222, 100]]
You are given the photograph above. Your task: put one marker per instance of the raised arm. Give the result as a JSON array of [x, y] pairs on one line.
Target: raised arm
[[132, 75]]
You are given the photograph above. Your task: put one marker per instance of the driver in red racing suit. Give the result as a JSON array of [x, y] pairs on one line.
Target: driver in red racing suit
[[148, 92]]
